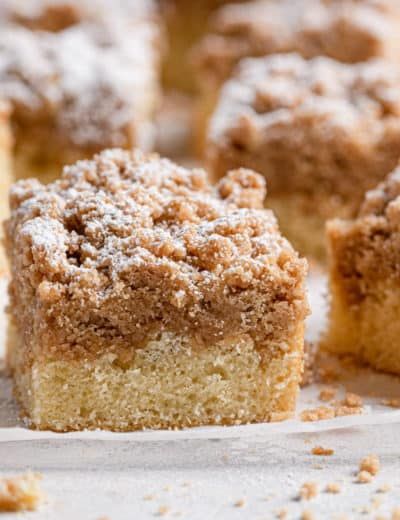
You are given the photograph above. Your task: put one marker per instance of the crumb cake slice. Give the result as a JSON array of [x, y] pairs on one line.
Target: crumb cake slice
[[364, 271], [142, 297], [320, 131], [78, 89], [346, 30]]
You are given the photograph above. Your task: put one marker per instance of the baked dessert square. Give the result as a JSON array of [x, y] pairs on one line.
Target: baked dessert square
[[364, 260], [78, 89], [143, 297], [321, 132], [345, 30]]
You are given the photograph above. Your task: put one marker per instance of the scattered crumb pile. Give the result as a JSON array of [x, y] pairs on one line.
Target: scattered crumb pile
[[352, 404], [21, 493], [369, 467]]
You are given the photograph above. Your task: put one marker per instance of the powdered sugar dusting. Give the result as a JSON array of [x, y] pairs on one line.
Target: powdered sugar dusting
[[95, 82]]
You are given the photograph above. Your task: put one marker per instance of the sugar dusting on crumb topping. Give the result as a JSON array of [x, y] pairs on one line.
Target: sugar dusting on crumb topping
[[92, 81], [282, 89], [124, 210]]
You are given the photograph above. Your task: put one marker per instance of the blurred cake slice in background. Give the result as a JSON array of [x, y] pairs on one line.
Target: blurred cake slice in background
[[346, 30], [79, 86], [364, 272], [321, 132]]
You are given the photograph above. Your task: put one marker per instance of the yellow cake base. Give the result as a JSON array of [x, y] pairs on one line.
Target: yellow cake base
[[169, 384], [369, 330]]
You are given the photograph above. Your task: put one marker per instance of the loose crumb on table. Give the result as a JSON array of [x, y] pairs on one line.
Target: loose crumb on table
[[308, 491], [319, 450], [364, 477], [333, 487], [371, 464], [21, 493]]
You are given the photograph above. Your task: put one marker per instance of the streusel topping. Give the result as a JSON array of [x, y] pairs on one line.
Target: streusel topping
[[90, 83], [384, 200], [124, 209], [135, 243], [347, 30], [279, 90]]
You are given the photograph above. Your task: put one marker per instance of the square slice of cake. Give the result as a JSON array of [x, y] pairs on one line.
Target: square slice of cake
[[143, 297], [364, 271], [78, 89], [321, 132], [345, 30]]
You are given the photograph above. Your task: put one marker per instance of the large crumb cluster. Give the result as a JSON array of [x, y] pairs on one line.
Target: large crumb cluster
[[20, 493]]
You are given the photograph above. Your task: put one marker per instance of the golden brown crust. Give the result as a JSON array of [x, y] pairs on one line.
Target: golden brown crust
[[125, 246], [349, 31]]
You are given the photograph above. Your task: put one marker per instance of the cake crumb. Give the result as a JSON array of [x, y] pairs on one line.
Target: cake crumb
[[317, 414], [327, 394], [282, 514], [319, 450], [333, 487], [21, 493], [384, 488], [308, 491], [307, 515], [163, 510], [149, 497], [240, 503], [352, 400], [342, 410], [376, 502], [364, 477], [396, 513], [393, 403], [371, 464]]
